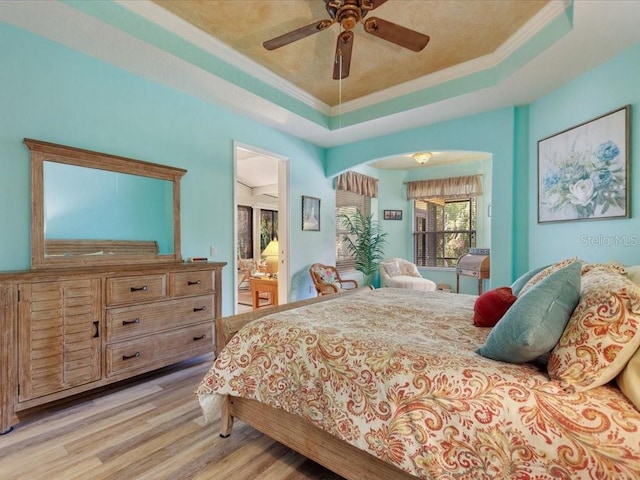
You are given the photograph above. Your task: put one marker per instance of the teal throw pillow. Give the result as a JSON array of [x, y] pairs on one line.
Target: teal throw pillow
[[522, 281], [535, 322]]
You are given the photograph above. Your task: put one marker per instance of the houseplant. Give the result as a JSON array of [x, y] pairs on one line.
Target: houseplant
[[365, 241]]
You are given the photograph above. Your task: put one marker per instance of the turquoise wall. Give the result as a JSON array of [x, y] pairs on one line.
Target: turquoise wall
[[601, 90], [52, 93], [510, 135], [492, 132], [393, 195]]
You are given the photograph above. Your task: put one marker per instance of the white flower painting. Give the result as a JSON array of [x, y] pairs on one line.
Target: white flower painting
[[583, 171]]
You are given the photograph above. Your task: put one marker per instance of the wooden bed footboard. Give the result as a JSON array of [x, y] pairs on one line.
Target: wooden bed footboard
[[298, 434], [291, 430]]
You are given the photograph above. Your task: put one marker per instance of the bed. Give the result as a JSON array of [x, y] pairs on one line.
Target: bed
[[388, 383]]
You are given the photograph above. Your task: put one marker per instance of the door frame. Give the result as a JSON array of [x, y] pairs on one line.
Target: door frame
[[284, 220]]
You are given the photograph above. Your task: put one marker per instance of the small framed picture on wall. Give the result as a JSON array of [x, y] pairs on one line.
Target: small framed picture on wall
[[310, 214], [392, 214]]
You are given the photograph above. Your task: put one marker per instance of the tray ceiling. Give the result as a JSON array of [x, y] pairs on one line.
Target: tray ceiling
[[460, 31]]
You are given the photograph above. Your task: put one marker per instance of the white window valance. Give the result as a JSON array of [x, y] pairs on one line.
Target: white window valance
[[357, 183], [445, 188]]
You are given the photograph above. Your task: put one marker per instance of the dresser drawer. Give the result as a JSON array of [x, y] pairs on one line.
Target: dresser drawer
[[136, 289], [468, 273], [155, 351], [128, 322], [190, 283]]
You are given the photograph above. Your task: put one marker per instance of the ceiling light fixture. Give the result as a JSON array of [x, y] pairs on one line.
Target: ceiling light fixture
[[422, 157]]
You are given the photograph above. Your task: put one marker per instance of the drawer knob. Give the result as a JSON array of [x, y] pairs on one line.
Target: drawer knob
[[201, 309], [130, 322], [197, 282], [128, 357], [139, 289], [201, 337]]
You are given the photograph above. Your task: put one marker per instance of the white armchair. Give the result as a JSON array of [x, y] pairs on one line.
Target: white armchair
[[401, 273]]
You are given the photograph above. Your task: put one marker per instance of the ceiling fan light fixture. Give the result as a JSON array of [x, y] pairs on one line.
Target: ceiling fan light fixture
[[348, 13], [422, 157]]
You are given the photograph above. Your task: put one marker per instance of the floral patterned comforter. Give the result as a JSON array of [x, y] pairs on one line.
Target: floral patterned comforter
[[394, 372]]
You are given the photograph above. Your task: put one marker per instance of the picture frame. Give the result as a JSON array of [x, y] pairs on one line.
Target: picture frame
[[392, 214], [310, 214], [583, 172]]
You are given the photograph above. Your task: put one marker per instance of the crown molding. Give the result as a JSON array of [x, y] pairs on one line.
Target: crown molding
[[176, 25]]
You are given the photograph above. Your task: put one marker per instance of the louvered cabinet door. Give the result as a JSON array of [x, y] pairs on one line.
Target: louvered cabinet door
[[59, 336]]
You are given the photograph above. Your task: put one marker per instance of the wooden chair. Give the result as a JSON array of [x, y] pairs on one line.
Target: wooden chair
[[326, 279], [246, 268]]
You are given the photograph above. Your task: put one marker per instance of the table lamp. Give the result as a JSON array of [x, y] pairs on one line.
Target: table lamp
[[271, 255]]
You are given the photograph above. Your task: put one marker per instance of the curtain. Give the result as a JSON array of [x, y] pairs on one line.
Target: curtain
[[358, 183], [445, 188]]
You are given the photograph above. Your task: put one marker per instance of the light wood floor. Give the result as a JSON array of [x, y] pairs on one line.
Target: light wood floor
[[149, 429]]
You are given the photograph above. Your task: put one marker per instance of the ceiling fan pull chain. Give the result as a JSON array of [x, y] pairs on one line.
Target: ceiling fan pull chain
[[340, 90]]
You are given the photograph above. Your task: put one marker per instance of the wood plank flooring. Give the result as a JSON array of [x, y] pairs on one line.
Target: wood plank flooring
[[148, 429]]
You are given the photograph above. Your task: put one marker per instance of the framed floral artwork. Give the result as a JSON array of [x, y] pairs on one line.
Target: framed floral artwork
[[583, 172]]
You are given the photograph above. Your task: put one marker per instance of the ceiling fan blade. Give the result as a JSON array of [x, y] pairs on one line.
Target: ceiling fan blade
[[374, 3], [405, 37], [342, 62], [298, 34]]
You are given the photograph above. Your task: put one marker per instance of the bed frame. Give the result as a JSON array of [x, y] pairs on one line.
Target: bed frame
[[293, 431]]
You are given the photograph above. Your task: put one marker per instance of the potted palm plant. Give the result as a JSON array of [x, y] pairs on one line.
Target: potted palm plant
[[365, 241]]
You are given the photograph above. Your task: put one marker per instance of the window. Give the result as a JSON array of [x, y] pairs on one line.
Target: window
[[443, 230], [347, 203], [268, 227], [245, 231]]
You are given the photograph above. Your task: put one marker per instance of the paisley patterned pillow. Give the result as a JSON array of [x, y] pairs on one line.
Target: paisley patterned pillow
[[538, 277], [613, 266], [602, 334]]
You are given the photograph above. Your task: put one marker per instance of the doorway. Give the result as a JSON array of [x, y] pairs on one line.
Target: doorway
[[261, 204]]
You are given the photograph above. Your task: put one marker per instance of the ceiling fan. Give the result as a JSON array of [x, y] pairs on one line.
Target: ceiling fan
[[348, 13]]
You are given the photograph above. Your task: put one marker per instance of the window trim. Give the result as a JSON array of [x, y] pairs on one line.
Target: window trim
[[472, 232]]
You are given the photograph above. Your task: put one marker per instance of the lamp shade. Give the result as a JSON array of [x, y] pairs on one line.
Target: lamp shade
[[271, 249], [271, 254]]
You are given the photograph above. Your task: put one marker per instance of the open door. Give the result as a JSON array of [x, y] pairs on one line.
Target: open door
[[262, 188]]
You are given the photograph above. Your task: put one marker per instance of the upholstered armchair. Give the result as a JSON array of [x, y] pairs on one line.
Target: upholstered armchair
[[401, 273], [326, 279], [247, 267]]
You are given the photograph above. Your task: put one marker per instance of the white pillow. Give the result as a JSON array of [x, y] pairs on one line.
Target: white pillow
[[392, 269]]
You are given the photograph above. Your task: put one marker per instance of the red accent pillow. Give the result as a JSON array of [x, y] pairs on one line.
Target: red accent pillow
[[491, 306]]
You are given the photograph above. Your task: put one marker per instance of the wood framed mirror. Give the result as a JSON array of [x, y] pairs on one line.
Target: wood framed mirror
[[90, 208]]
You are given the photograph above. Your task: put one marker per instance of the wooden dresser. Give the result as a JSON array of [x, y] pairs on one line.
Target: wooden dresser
[[69, 330]]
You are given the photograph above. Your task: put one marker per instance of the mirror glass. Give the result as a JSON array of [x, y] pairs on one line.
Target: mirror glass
[[91, 204]]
